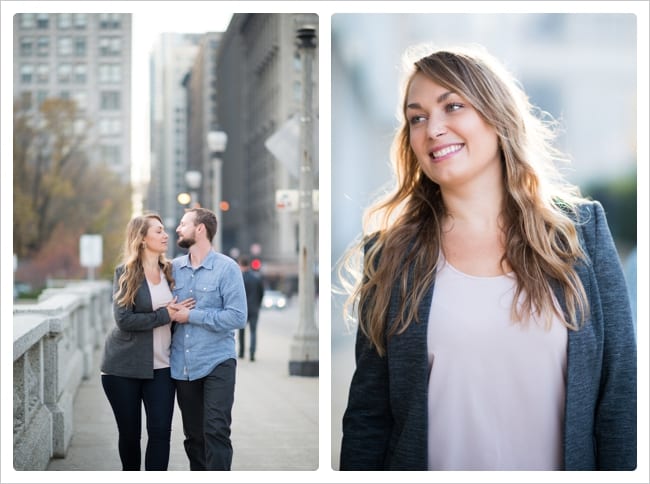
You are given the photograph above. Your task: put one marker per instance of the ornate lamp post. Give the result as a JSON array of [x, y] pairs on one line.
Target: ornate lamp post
[[217, 142], [304, 347]]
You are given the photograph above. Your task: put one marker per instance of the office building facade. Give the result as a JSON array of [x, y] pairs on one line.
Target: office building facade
[[84, 57]]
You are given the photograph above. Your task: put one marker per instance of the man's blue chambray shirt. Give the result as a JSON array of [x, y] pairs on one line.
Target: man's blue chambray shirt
[[208, 338]]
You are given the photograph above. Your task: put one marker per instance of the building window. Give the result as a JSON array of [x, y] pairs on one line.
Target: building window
[[26, 73], [111, 155], [64, 73], [297, 91], [80, 46], [65, 46], [110, 21], [110, 46], [110, 100], [110, 73], [64, 20], [43, 47], [80, 73], [43, 20], [65, 95], [110, 127], [26, 100], [43, 73], [81, 100], [27, 20], [41, 96], [80, 21], [26, 46]]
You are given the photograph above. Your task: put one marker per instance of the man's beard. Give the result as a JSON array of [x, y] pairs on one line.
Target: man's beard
[[186, 243]]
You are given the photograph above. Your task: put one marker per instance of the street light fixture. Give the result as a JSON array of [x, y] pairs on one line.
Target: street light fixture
[[184, 198], [217, 141], [193, 180]]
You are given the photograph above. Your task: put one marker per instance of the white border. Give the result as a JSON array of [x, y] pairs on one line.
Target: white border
[[324, 9]]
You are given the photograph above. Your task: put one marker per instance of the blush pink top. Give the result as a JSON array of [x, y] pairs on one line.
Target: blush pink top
[[496, 388], [161, 295]]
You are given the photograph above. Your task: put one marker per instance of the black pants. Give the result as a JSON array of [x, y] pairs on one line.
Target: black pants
[[206, 406], [126, 396], [252, 323]]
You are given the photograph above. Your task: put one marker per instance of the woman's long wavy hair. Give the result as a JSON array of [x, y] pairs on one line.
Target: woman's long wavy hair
[[405, 225], [133, 274]]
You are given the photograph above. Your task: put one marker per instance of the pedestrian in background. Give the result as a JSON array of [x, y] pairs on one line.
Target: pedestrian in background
[[494, 331], [135, 364], [254, 295], [203, 357]]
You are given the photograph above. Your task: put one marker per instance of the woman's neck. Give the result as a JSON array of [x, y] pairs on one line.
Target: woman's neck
[[481, 209], [150, 261]]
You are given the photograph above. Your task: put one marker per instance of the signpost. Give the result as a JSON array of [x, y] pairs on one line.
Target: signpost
[[90, 253]]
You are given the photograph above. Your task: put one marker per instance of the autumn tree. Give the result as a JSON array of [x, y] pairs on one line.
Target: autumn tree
[[59, 194]]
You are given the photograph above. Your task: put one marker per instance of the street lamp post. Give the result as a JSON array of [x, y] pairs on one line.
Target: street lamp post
[[193, 180], [304, 347], [217, 141]]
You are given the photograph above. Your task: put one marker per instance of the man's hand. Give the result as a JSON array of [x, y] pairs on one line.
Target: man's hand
[[180, 312]]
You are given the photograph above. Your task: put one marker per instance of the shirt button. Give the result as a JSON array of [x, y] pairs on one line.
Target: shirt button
[[187, 351]]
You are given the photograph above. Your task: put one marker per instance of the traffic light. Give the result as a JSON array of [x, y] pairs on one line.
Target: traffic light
[[256, 264]]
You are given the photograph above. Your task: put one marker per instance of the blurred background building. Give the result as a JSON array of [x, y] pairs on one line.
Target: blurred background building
[[260, 77], [84, 57], [581, 68], [72, 118], [244, 83], [172, 58]]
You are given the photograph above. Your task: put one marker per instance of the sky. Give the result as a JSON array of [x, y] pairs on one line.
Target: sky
[[146, 28]]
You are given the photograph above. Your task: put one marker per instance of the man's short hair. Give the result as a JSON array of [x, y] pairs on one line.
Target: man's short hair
[[207, 218]]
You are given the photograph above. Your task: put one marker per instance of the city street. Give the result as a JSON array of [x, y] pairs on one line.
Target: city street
[[275, 416]]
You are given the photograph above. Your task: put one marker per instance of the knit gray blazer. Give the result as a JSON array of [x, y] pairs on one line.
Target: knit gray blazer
[[385, 422], [128, 350]]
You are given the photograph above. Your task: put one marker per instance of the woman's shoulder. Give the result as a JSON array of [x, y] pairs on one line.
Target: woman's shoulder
[[369, 240], [583, 211]]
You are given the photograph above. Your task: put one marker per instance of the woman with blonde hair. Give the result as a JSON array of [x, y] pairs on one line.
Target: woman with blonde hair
[[494, 330], [135, 366]]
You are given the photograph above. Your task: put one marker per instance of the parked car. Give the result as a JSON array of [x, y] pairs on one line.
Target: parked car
[[274, 300]]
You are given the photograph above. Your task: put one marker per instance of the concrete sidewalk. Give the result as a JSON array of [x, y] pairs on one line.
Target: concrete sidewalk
[[275, 416]]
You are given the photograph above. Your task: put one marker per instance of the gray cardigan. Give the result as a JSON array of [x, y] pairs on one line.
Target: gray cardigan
[[385, 423], [128, 351]]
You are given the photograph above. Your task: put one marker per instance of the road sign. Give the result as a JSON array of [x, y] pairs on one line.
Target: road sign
[[286, 200], [90, 250]]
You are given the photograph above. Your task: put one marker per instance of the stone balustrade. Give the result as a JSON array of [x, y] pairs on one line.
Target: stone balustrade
[[54, 342]]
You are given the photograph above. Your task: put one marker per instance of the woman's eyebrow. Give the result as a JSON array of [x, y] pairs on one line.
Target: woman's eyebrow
[[440, 99]]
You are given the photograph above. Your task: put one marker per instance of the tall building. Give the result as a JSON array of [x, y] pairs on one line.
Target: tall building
[[201, 86], [85, 57], [172, 57], [259, 89]]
